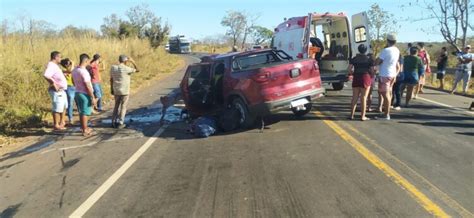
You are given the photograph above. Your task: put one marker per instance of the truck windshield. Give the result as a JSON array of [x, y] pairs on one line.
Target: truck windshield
[[184, 44], [253, 61]]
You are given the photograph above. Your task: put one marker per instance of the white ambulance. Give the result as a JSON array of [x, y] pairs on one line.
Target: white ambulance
[[335, 37]]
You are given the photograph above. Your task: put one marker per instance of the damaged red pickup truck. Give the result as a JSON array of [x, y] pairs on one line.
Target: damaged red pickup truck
[[256, 83]]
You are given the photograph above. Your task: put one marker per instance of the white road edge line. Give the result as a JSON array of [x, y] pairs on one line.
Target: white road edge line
[[448, 106], [81, 210]]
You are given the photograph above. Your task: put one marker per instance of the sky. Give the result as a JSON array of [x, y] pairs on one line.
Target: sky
[[200, 18]]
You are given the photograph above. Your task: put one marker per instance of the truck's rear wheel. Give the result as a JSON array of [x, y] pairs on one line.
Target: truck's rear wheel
[[300, 113], [246, 120], [338, 86]]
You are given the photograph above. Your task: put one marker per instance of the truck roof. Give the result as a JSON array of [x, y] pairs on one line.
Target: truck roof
[[226, 55]]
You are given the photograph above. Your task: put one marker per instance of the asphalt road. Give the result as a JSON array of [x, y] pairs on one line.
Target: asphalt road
[[419, 164]]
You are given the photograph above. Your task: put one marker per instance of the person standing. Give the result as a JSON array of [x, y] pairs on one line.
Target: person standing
[[361, 67], [442, 62], [409, 45], [96, 81], [120, 76], [84, 93], [57, 86], [67, 67], [425, 59], [397, 87], [389, 68], [412, 68], [372, 86], [464, 70]]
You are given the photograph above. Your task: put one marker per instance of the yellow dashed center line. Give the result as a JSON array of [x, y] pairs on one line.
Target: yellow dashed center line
[[419, 197]]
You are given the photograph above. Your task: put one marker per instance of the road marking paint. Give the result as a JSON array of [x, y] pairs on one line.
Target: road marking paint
[[447, 105], [433, 189], [81, 210], [416, 194], [89, 144]]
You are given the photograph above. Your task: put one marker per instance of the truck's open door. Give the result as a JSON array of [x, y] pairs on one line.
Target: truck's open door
[[195, 87], [307, 35], [360, 32]]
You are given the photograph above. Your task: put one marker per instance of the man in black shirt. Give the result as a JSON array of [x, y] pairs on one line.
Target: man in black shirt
[[442, 62]]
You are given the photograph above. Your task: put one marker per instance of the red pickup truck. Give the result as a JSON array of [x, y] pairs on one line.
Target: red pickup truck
[[256, 83]]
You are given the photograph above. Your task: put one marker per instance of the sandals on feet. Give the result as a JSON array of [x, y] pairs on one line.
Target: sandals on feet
[[88, 132], [364, 119]]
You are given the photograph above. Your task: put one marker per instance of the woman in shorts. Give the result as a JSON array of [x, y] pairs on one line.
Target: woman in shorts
[[412, 68], [361, 67]]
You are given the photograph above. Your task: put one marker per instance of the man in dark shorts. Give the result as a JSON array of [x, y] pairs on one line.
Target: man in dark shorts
[[412, 68], [442, 62]]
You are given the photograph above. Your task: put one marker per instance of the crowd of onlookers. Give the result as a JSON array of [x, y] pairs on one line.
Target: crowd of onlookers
[[398, 72], [81, 84]]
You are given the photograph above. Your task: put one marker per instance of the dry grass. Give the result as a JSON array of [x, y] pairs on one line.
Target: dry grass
[[448, 84], [217, 49], [24, 101]]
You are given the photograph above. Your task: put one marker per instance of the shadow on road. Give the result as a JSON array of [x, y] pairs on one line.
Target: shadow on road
[[10, 211]]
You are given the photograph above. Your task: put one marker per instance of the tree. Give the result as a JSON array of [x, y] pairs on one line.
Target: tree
[[73, 31], [381, 21], [453, 18], [156, 32], [111, 26], [140, 16], [261, 34], [236, 23], [248, 27], [126, 29]]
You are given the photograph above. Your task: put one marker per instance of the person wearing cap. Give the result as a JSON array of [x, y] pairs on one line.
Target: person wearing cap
[[96, 80], [361, 67], [57, 90], [389, 69], [412, 68], [464, 70], [120, 76]]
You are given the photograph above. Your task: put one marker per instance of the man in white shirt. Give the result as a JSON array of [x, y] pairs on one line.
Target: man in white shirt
[[389, 69]]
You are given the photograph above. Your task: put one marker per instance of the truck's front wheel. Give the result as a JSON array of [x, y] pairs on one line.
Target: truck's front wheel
[[338, 86], [246, 118]]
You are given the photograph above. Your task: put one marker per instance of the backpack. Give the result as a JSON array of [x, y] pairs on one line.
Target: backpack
[[204, 127]]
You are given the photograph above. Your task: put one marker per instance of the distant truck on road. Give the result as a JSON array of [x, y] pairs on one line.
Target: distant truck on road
[[179, 45], [333, 38]]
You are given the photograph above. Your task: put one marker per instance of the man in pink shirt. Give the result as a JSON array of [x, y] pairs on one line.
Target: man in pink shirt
[[84, 93], [57, 86]]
